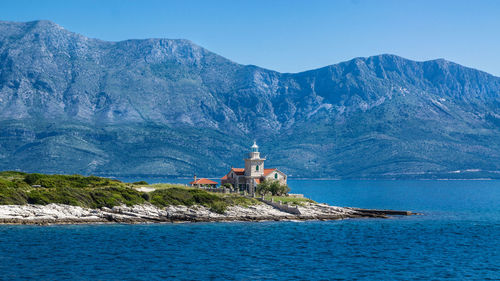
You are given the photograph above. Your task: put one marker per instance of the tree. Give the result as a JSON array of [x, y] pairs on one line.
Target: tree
[[263, 188], [274, 187], [284, 189], [228, 185]]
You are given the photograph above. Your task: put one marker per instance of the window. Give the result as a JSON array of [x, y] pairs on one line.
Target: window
[[257, 168], [276, 175]]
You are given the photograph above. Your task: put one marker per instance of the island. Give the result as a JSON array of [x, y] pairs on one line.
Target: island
[[73, 199]]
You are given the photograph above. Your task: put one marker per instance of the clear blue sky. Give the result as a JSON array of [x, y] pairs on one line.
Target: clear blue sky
[[290, 36]]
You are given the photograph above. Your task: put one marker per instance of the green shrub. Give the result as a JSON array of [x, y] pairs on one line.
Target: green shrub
[[114, 196], [60, 195], [90, 198], [76, 181], [236, 200], [146, 196], [12, 196], [32, 179], [77, 190], [6, 183], [187, 197], [141, 183], [218, 207], [12, 174]]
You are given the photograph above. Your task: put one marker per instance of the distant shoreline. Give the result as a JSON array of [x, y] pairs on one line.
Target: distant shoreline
[[319, 179]]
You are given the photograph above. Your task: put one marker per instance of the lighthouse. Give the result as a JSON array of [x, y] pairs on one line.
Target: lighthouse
[[247, 179]]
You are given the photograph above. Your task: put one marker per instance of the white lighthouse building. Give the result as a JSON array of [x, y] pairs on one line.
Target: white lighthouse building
[[247, 179]]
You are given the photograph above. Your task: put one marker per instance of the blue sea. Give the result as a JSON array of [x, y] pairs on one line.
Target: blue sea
[[455, 238]]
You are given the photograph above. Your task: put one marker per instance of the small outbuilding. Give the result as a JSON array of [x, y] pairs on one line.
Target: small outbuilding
[[203, 182]]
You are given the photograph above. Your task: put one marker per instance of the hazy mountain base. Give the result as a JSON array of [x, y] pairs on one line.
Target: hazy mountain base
[[70, 104], [144, 151], [118, 150]]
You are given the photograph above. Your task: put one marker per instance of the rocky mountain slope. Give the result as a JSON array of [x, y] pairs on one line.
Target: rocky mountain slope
[[71, 104]]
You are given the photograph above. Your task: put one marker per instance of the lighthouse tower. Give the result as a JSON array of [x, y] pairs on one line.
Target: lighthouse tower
[[254, 167]]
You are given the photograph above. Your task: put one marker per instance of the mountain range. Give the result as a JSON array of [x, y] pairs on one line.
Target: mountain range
[[162, 107]]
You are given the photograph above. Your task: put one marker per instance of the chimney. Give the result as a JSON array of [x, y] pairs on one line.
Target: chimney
[[194, 177]]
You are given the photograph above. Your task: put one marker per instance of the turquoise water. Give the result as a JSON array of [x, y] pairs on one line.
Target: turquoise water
[[456, 238]]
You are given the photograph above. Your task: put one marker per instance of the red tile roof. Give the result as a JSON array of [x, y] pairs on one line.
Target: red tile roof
[[203, 181], [239, 171], [268, 171], [257, 181]]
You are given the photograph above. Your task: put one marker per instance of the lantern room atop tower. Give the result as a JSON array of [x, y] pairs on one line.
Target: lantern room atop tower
[[255, 147], [254, 151]]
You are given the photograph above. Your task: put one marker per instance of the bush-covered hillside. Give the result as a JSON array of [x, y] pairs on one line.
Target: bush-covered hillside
[[17, 188]]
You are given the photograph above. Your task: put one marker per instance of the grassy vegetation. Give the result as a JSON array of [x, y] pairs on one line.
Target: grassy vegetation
[[288, 199], [18, 188], [76, 181], [158, 186], [192, 196]]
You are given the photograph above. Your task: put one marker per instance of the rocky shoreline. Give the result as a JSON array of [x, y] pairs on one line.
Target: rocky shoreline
[[147, 213]]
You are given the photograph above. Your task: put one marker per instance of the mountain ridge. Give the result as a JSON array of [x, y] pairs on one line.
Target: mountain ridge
[[185, 40], [65, 96]]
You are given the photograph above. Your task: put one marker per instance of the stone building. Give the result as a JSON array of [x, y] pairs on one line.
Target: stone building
[[247, 179]]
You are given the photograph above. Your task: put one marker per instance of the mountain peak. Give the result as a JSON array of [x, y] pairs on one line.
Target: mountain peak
[[30, 25], [44, 23]]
